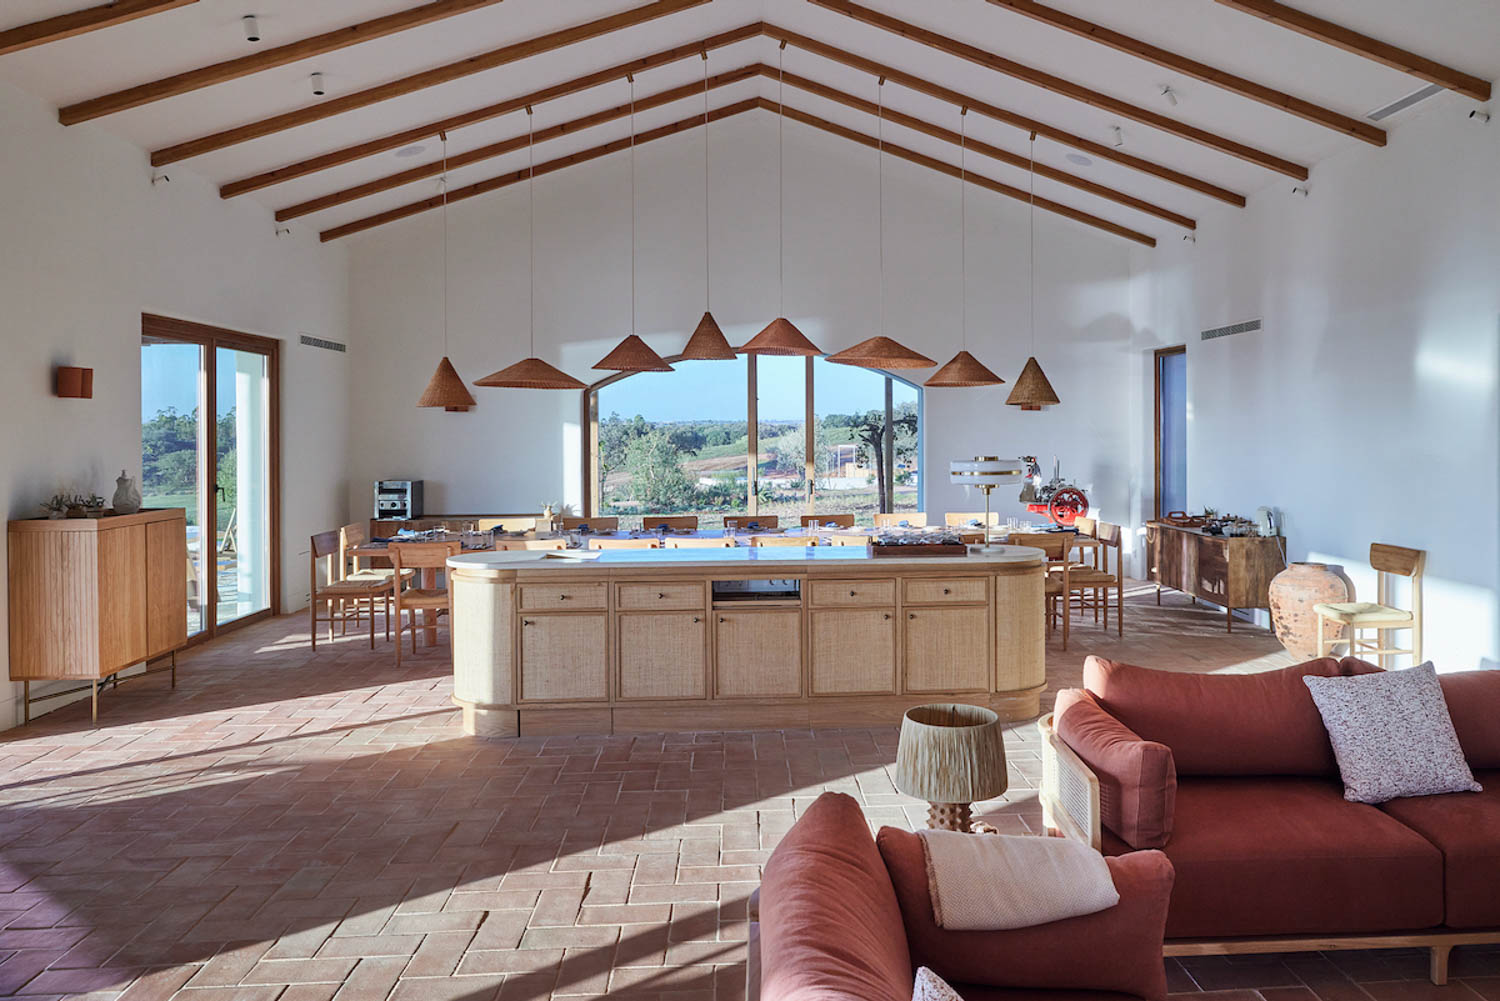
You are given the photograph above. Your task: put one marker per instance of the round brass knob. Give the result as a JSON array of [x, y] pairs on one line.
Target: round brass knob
[[947, 590], [911, 615], [851, 594]]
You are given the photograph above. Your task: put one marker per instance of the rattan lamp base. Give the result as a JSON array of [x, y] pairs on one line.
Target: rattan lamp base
[[949, 817]]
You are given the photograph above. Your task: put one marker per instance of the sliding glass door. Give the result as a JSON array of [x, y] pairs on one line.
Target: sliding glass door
[[208, 413]]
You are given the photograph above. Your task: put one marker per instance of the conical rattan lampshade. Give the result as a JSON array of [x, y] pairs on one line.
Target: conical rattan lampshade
[[964, 370], [633, 355], [1032, 391], [531, 373], [446, 389], [780, 337], [708, 342], [881, 352]]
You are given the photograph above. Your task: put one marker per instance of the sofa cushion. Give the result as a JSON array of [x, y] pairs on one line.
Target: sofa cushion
[[976, 992], [830, 927], [1137, 778], [1286, 856], [1473, 699], [1063, 954], [1221, 724], [1466, 829]]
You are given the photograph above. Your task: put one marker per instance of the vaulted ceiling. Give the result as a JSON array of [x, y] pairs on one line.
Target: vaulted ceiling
[[1145, 111]]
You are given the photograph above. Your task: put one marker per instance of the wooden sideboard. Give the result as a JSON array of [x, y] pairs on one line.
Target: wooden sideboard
[[1232, 571], [90, 597]]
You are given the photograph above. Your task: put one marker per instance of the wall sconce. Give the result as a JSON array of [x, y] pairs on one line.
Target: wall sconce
[[74, 383]]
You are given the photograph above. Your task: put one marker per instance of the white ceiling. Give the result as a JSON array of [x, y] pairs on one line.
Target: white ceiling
[[1461, 33]]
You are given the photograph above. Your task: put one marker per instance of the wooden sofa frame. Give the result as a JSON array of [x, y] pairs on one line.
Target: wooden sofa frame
[[1070, 808]]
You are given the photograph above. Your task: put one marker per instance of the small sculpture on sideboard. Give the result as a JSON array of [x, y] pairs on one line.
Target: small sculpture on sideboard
[[127, 495]]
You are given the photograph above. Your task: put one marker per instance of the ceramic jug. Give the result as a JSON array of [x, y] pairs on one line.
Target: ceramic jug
[[127, 496]]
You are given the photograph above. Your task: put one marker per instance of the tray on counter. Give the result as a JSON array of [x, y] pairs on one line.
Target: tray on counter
[[921, 549]]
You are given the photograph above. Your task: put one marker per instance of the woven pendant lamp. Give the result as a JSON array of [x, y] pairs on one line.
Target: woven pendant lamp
[[1032, 390], [708, 342], [633, 354], [531, 373], [780, 336], [446, 389], [964, 370], [881, 351]]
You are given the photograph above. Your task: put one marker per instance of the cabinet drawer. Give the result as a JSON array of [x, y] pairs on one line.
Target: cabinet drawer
[[687, 597], [853, 592], [945, 590], [562, 597]]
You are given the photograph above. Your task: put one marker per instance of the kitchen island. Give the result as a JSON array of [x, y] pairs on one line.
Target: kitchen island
[[651, 640]]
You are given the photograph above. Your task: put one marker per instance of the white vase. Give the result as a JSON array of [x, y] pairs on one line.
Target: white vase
[[127, 495]]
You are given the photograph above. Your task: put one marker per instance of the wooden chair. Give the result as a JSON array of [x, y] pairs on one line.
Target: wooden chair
[[608, 524], [1387, 562], [623, 544], [962, 519], [327, 586], [849, 540], [760, 541], [527, 523], [1096, 581], [821, 520], [426, 597], [652, 522], [743, 521], [696, 543], [504, 545], [913, 519], [1059, 586]]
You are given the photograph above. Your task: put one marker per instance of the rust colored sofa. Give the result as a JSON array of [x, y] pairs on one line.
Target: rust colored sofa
[[839, 917], [1234, 779]]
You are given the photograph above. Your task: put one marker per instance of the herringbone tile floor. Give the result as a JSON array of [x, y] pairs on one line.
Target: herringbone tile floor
[[291, 826]]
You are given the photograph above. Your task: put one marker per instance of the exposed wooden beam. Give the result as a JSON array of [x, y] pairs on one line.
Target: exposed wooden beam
[[512, 144], [1363, 45], [1314, 113], [419, 81], [518, 176], [256, 62], [396, 140], [943, 167], [78, 22], [983, 148], [1066, 88], [923, 86]]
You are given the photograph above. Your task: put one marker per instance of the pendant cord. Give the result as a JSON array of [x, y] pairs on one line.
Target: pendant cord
[[531, 223], [963, 227], [1031, 297], [707, 270], [631, 78], [880, 186], [780, 182], [444, 184]]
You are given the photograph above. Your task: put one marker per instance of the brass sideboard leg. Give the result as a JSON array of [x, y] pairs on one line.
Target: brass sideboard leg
[[1228, 620], [94, 702]]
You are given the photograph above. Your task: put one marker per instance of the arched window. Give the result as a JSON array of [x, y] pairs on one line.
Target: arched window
[[756, 435]]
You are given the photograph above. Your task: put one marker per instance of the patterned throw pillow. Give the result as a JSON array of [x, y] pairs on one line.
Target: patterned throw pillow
[[931, 987], [1392, 735]]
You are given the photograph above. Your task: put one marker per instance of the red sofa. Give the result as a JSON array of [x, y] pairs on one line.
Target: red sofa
[[1234, 779], [839, 917]]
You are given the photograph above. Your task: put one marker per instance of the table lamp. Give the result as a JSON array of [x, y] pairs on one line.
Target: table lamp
[[952, 756], [985, 472]]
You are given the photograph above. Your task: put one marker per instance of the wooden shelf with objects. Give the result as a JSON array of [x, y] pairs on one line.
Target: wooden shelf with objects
[[90, 597], [1230, 571], [630, 641]]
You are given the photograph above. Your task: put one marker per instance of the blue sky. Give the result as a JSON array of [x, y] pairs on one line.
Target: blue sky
[[715, 390], [169, 378]]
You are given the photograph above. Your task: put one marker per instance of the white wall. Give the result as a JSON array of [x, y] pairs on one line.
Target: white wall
[[519, 448], [1366, 408], [86, 246]]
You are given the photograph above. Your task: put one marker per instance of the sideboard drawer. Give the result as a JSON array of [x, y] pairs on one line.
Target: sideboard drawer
[[853, 592], [945, 590], [563, 597], [681, 596]]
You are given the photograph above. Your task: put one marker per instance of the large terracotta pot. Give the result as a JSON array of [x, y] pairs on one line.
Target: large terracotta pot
[[1294, 592]]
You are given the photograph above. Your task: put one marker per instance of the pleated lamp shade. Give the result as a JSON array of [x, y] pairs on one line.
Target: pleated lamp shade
[[708, 342], [1032, 391], [531, 373], [633, 355], [964, 370], [446, 389], [780, 337], [951, 753], [881, 352]]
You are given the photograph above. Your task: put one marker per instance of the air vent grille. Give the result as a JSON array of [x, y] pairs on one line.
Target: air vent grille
[[326, 345], [1234, 328], [1415, 97]]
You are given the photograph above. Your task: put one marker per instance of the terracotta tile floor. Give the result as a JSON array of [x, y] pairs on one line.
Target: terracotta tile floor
[[291, 826]]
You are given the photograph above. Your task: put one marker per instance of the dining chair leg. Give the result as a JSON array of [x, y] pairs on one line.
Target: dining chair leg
[[398, 637], [312, 616], [331, 603], [372, 622], [1067, 617], [1120, 608], [387, 618]]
